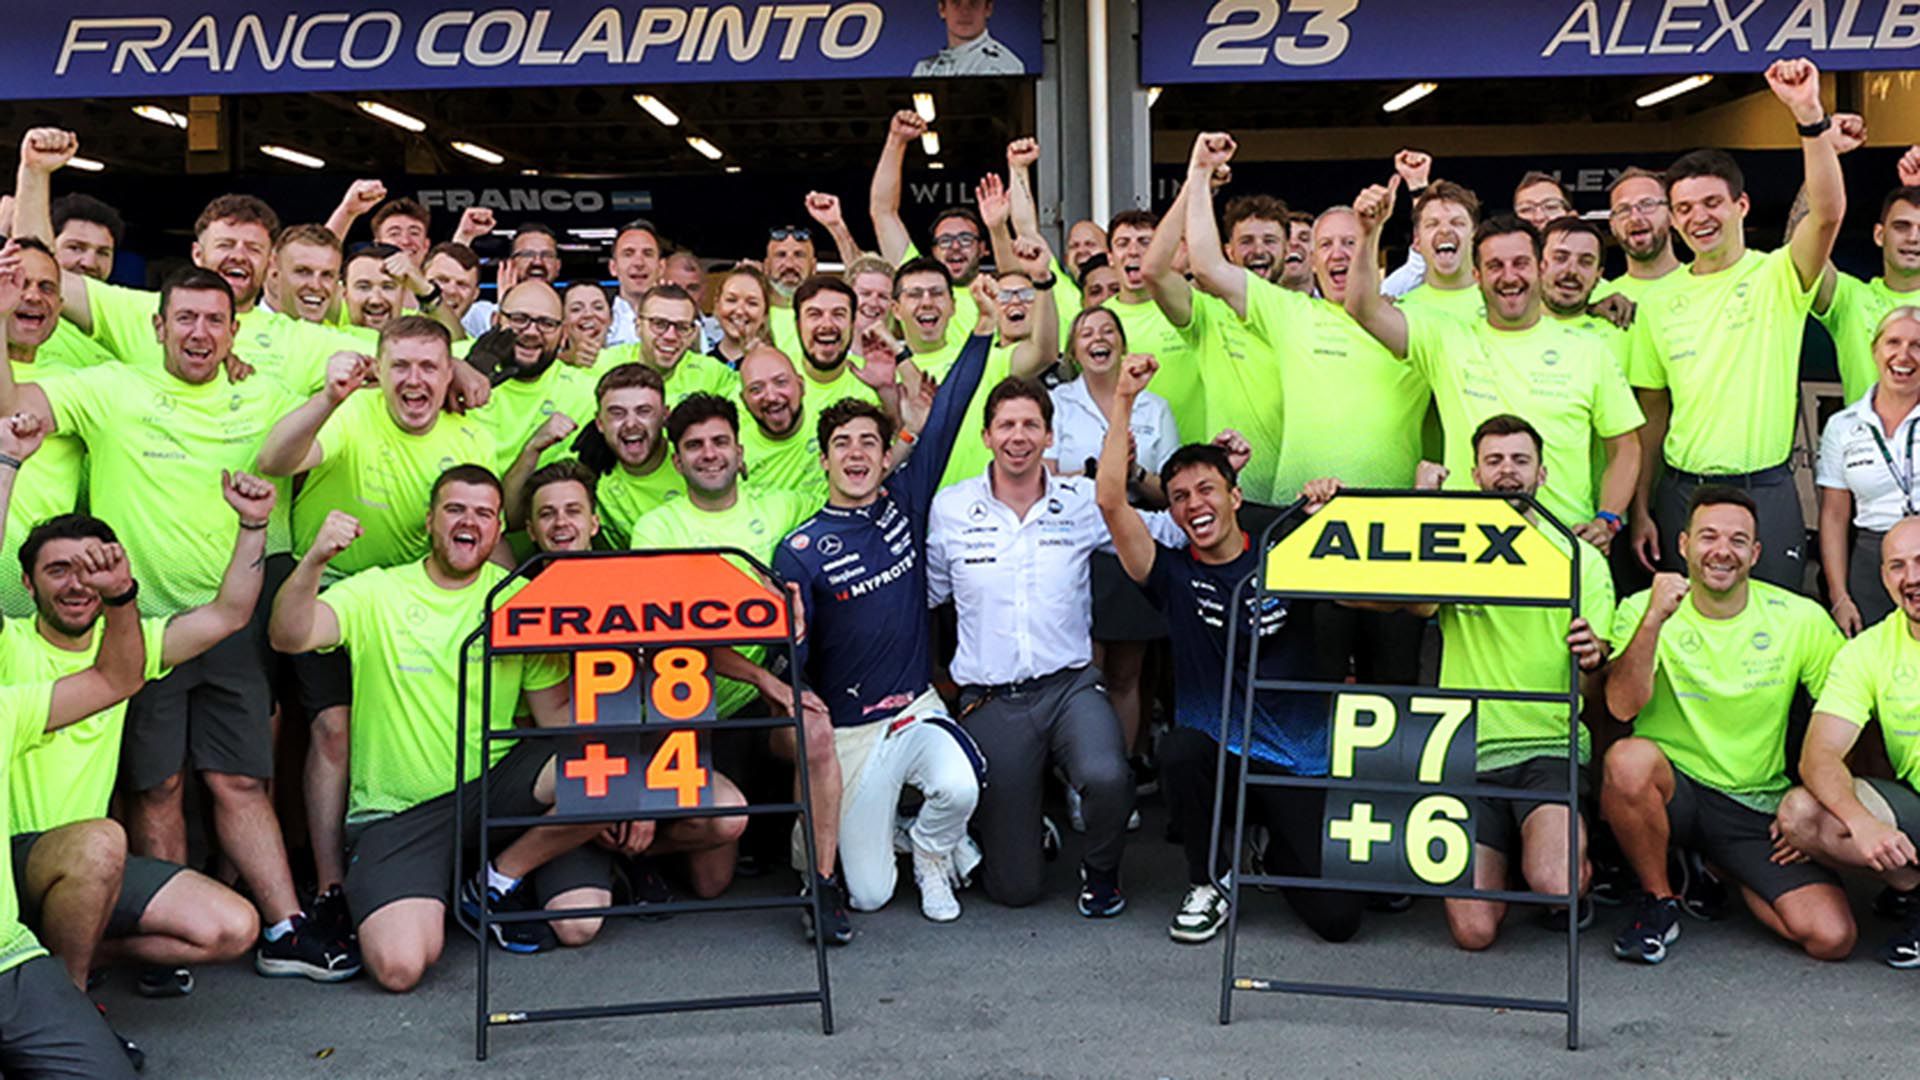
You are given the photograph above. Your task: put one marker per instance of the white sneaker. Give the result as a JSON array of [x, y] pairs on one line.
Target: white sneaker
[[1133, 821], [1202, 913], [934, 875]]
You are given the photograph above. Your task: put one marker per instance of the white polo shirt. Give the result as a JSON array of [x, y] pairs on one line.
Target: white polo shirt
[[1877, 466], [1079, 428], [1020, 586]]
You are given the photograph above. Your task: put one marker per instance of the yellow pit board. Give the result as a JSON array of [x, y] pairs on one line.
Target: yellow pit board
[[1420, 547]]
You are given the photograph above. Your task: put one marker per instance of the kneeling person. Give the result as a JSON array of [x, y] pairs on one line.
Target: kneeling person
[[403, 627], [1866, 822], [560, 517]]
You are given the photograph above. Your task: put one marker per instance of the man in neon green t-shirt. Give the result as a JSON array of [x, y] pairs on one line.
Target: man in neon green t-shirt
[[1867, 822], [404, 626], [823, 312], [720, 511], [624, 446], [537, 388], [669, 326], [1707, 677], [1851, 309], [164, 915], [375, 456], [780, 451], [1715, 354]]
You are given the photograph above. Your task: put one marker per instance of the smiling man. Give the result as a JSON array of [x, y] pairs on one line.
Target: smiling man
[[1641, 224], [779, 452], [1851, 309], [303, 280], [1716, 351], [1445, 216], [635, 266]]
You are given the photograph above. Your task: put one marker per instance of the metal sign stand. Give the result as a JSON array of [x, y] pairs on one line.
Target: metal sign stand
[[1262, 589], [667, 591]]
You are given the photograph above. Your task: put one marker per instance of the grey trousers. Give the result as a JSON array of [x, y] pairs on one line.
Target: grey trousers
[[1062, 717]]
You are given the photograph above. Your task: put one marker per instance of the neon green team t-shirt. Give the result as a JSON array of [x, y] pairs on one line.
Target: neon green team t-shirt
[[788, 464], [1524, 648], [970, 456], [1726, 347], [818, 393], [1178, 379], [784, 332], [624, 498], [1465, 304], [518, 407], [695, 373], [67, 775], [155, 448], [1851, 318], [756, 523], [1240, 382], [403, 633], [1876, 676], [24, 712], [937, 362], [48, 485], [382, 475], [69, 347], [1554, 376], [1351, 409], [293, 350], [1721, 687]]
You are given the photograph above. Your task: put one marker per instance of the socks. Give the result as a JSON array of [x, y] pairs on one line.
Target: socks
[[500, 882], [279, 930]]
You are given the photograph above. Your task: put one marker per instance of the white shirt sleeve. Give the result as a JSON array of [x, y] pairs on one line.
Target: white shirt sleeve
[[1406, 278], [1166, 434], [479, 318], [939, 575], [1830, 470]]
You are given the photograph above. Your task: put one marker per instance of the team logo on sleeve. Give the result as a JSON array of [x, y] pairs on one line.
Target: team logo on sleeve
[[799, 542]]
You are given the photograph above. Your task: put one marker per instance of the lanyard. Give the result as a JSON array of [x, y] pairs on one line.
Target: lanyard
[[1903, 479]]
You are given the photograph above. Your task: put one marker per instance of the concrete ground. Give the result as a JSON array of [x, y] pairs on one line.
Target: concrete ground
[[1041, 992]]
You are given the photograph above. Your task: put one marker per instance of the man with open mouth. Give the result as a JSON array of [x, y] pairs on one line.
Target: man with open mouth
[[626, 448], [780, 452], [537, 402], [370, 444], [1511, 359], [1716, 350], [1706, 679], [1850, 308], [958, 237], [49, 483], [1445, 216]]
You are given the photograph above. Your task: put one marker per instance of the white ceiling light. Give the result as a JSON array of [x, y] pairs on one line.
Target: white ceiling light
[[85, 164], [930, 142], [382, 111], [289, 154], [733, 168], [478, 152], [160, 116], [1153, 94], [707, 150], [1408, 96], [657, 109], [1672, 90], [923, 104]]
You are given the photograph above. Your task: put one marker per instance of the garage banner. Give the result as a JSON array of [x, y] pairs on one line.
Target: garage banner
[[1183, 41], [119, 48]]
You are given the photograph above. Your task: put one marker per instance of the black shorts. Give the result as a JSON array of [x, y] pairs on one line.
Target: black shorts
[[1736, 838], [410, 854], [139, 884], [212, 713], [1497, 822], [49, 1028], [323, 680], [1904, 802]]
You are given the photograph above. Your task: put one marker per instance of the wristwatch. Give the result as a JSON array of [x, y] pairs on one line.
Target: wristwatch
[[1816, 129]]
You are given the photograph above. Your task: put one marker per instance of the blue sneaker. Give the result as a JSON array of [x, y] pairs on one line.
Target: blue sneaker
[[520, 938], [1100, 895]]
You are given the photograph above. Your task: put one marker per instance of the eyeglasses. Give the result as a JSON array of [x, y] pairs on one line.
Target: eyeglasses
[[528, 256], [1544, 206], [1025, 296], [669, 326], [1644, 207], [789, 232], [931, 292], [956, 240], [518, 320]]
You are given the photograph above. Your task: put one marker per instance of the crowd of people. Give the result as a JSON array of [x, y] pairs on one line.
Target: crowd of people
[[267, 502]]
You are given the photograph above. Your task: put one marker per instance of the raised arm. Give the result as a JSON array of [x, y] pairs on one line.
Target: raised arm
[[361, 197], [1042, 346], [1415, 168], [1797, 84], [1024, 209], [120, 667], [14, 398], [1388, 324], [883, 199], [1131, 540], [990, 194], [1170, 291], [1630, 679], [557, 426], [193, 632], [20, 436], [824, 209], [1212, 270], [475, 222], [301, 621], [42, 151], [293, 446]]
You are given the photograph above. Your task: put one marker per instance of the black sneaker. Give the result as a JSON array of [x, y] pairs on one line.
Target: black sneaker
[[1655, 925], [1614, 884], [1902, 950], [164, 982], [330, 916], [519, 938], [1702, 894], [305, 952], [1555, 918], [1897, 904], [648, 887], [833, 901], [135, 1056], [1389, 903], [1100, 895]]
